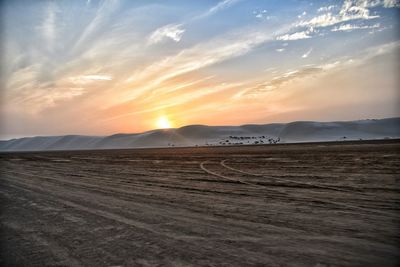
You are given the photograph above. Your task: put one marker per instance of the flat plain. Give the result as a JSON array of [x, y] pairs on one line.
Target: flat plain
[[315, 204]]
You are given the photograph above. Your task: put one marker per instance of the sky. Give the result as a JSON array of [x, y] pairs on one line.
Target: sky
[[105, 67]]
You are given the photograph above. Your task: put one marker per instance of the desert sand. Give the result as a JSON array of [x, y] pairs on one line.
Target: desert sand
[[322, 204]]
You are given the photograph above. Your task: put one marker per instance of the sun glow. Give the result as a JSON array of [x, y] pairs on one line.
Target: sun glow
[[163, 123]]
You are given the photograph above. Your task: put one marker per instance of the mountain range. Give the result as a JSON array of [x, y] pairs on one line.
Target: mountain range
[[200, 135]]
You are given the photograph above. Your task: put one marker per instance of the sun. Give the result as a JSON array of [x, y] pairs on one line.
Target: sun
[[163, 123]]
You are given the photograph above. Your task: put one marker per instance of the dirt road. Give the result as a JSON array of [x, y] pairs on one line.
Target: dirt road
[[327, 204]]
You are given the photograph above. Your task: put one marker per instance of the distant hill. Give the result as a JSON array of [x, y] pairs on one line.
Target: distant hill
[[199, 135]]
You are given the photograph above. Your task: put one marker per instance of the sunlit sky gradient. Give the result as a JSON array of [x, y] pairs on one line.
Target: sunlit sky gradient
[[104, 67]]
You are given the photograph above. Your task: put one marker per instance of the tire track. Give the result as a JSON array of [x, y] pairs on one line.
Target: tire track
[[169, 215], [107, 215], [195, 245], [334, 188], [40, 245], [96, 185], [340, 204], [223, 164], [239, 181]]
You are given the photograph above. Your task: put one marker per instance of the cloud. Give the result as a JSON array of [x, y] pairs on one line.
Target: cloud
[[311, 70], [351, 27], [146, 86], [297, 35], [48, 84], [307, 53], [35, 101], [302, 15], [49, 25], [384, 3], [171, 31], [261, 14], [49, 22], [281, 80], [197, 57], [218, 7], [181, 99], [84, 79], [391, 3], [381, 49], [182, 85], [102, 16], [22, 79], [175, 31], [350, 10], [294, 36], [278, 81], [326, 8], [280, 49]]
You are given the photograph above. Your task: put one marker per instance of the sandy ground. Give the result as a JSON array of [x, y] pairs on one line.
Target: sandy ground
[[327, 204]]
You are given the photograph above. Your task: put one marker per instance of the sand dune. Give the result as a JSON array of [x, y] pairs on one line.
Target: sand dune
[[193, 135]]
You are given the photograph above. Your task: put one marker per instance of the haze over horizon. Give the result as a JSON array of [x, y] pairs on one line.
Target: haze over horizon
[[104, 67], [172, 129]]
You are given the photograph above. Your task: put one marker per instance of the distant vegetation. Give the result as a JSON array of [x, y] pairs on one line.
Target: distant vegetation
[[248, 140]]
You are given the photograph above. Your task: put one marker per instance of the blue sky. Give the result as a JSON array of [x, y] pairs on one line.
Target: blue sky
[[101, 67]]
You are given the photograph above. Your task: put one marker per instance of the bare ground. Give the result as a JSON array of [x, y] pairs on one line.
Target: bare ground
[[326, 204]]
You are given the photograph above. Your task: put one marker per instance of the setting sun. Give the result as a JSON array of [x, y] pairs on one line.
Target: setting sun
[[163, 123]]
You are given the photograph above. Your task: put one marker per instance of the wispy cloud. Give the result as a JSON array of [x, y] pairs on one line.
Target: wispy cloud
[[218, 7], [84, 79], [326, 8], [180, 99], [351, 27], [261, 14], [306, 54], [302, 15], [49, 22], [384, 3], [102, 16], [391, 3], [175, 31], [182, 85], [143, 84], [198, 57], [313, 70], [278, 81], [350, 10], [294, 36], [170, 31]]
